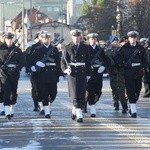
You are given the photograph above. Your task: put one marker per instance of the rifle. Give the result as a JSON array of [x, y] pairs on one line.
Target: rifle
[[94, 60], [4, 67], [46, 56], [55, 40], [16, 41], [129, 62], [7, 61]]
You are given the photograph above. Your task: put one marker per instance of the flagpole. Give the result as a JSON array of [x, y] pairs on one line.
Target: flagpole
[[31, 37], [23, 40], [62, 19]]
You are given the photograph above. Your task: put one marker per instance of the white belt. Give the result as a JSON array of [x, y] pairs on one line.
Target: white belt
[[11, 66], [77, 64], [135, 64], [95, 65], [50, 64]]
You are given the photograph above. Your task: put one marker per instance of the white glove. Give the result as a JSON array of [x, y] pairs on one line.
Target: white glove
[[61, 79], [68, 71], [40, 64], [101, 69], [33, 69], [88, 77]]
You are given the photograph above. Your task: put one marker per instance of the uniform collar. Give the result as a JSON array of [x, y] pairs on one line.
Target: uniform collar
[[46, 45], [93, 46]]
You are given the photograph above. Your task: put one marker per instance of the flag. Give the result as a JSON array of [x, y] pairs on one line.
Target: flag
[[27, 21]]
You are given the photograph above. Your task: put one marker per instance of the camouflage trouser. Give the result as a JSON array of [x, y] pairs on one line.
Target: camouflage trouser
[[117, 83]]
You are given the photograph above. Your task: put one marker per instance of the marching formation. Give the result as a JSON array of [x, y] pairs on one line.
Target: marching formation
[[83, 62]]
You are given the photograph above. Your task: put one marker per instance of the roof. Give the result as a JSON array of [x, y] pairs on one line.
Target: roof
[[33, 15]]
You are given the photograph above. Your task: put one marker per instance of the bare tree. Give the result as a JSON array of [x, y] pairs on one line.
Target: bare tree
[[140, 14], [99, 18]]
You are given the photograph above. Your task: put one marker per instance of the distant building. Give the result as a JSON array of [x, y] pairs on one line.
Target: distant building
[[10, 8], [57, 29], [30, 16]]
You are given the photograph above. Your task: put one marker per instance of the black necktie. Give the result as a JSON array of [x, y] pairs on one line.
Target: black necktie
[[75, 47]]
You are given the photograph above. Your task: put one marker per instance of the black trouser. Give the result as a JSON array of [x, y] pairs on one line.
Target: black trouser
[[47, 92], [10, 90], [1, 93], [79, 103], [133, 87], [94, 91], [34, 89], [117, 84]]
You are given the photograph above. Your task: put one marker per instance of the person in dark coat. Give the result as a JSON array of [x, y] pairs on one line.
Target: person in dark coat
[[75, 63], [146, 78], [99, 61], [133, 57], [2, 112], [49, 71], [11, 62], [34, 75]]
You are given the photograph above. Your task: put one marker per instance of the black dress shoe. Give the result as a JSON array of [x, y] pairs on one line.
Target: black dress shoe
[[80, 120], [47, 116], [93, 115], [133, 115], [130, 112], [11, 115], [116, 105], [35, 109], [73, 117], [117, 108], [8, 117], [124, 111], [2, 113], [42, 112]]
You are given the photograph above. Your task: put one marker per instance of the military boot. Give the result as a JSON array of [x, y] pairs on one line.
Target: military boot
[[2, 112], [116, 105], [7, 112], [73, 115], [132, 110], [93, 110], [36, 106], [41, 108], [47, 112], [79, 115], [12, 108], [124, 107]]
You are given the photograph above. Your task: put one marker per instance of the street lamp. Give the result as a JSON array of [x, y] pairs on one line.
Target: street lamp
[[62, 19], [31, 37], [118, 18]]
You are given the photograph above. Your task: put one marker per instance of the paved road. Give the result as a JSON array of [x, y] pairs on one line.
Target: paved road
[[110, 130]]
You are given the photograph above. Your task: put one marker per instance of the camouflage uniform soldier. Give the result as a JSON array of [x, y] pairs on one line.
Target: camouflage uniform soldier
[[2, 112], [116, 74]]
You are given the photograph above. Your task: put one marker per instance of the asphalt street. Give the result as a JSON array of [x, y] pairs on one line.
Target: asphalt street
[[110, 130]]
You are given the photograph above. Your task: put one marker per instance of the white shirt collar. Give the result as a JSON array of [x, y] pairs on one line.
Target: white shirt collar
[[133, 45], [93, 46], [46, 45]]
